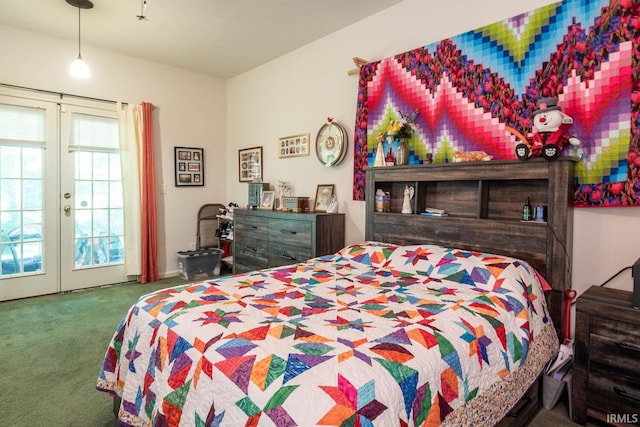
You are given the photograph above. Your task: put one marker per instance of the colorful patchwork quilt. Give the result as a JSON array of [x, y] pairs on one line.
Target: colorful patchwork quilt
[[375, 335]]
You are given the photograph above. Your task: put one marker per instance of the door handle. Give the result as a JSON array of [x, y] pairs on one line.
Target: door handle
[[67, 208]]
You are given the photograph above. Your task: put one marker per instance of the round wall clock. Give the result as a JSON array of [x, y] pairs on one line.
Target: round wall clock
[[331, 143]]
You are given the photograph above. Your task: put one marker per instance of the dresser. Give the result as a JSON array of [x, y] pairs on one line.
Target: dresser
[[266, 238], [606, 371]]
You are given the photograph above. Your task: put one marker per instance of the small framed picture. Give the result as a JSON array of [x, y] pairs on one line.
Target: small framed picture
[[250, 164], [294, 145], [184, 179], [323, 197], [267, 200], [189, 166]]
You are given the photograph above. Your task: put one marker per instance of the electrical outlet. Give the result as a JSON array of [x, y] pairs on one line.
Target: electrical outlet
[[192, 246]]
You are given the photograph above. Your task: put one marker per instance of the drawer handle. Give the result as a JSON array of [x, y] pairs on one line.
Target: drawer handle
[[291, 258], [622, 392], [628, 346], [289, 231], [254, 227], [522, 403], [252, 249]]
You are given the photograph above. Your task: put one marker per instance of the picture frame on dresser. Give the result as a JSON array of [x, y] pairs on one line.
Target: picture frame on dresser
[[189, 166], [267, 200], [323, 197], [250, 164]]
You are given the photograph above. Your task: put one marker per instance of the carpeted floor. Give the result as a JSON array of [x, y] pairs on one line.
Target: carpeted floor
[[52, 348]]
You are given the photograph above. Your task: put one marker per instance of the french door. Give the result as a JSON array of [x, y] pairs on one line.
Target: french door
[[61, 210]]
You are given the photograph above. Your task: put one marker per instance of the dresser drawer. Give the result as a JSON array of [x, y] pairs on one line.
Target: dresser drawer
[[296, 233], [283, 254], [245, 264], [616, 329], [613, 394], [616, 353], [252, 227], [250, 254]]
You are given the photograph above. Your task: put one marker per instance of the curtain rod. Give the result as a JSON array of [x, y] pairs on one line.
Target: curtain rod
[[358, 62], [62, 94]]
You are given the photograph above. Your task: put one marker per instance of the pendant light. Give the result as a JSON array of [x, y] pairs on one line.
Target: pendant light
[[79, 68]]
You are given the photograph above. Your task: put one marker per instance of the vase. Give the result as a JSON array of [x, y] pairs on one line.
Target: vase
[[403, 153]]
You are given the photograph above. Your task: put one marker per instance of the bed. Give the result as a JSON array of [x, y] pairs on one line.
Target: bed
[[385, 334], [381, 333]]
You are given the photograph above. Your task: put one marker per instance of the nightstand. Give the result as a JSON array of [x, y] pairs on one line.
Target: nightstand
[[606, 371]]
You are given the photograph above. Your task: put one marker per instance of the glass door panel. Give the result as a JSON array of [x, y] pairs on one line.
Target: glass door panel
[[28, 205], [92, 225]]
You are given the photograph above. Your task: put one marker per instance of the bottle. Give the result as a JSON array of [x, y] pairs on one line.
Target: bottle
[[526, 211]]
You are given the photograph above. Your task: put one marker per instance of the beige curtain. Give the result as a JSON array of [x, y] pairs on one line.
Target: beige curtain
[[138, 177], [130, 147]]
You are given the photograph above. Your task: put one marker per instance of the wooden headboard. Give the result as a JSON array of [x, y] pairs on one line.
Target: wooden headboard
[[484, 203]]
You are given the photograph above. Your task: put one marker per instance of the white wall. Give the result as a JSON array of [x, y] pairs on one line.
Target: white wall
[[191, 112], [295, 94]]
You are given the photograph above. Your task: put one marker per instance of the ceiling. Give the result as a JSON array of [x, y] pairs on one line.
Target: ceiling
[[220, 38]]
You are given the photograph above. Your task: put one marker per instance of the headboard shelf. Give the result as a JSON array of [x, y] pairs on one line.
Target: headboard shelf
[[484, 202]]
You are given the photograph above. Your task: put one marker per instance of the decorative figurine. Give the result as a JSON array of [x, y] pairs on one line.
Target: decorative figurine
[[408, 195], [333, 204], [379, 159], [283, 188], [460, 156]]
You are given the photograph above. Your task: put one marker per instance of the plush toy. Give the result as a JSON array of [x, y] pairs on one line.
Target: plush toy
[[549, 135], [470, 156]]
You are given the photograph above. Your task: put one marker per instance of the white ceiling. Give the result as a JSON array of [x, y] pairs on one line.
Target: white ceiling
[[221, 38]]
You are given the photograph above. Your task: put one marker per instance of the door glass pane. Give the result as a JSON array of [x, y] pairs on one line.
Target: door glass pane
[[100, 166], [10, 161], [10, 194], [83, 194], [32, 193], [84, 165], [31, 163], [100, 194]]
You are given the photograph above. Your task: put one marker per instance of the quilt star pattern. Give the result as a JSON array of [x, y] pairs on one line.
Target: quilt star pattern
[[477, 91], [375, 335]]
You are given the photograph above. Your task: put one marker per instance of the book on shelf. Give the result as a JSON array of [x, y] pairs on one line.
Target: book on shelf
[[434, 214], [434, 210]]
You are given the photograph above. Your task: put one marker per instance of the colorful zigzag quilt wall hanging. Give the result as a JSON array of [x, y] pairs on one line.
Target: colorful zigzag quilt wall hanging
[[477, 91]]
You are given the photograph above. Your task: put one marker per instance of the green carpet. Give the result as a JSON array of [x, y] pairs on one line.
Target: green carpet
[[52, 349]]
